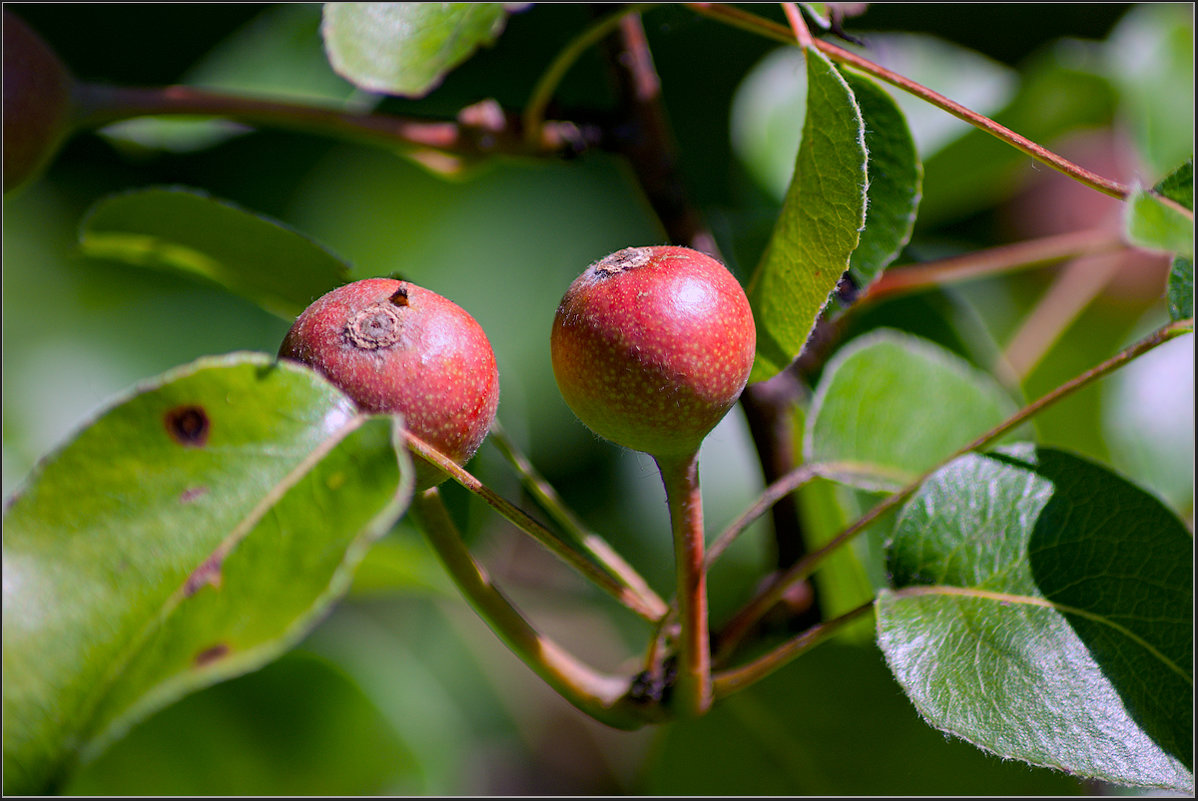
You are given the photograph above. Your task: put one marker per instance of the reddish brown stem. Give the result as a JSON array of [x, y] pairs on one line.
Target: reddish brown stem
[[692, 692]]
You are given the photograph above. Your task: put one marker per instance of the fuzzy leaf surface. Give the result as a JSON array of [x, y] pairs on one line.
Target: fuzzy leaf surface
[[1043, 610], [192, 532], [187, 231], [819, 225], [406, 48]]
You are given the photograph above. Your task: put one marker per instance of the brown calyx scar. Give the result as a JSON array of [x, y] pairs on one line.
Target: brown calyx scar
[[623, 260], [377, 326]]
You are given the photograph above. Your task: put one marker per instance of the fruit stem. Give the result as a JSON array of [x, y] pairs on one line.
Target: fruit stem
[[651, 608], [772, 593], [692, 693], [598, 695], [544, 493]]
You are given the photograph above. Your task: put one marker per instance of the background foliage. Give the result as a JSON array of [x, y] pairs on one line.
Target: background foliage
[[401, 689]]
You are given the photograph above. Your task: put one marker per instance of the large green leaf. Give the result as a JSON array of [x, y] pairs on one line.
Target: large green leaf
[[1043, 609], [185, 230], [819, 225], [899, 404], [192, 532], [406, 48], [895, 176]]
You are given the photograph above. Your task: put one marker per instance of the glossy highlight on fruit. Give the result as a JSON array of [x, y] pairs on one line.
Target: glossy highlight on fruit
[[37, 103], [394, 347], [652, 346]]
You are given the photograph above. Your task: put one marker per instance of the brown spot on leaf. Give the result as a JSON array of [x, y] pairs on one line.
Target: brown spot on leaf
[[211, 654], [188, 425], [192, 494], [207, 573]]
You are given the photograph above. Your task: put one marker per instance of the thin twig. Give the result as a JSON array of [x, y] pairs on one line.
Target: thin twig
[[992, 261], [650, 609], [534, 112], [552, 503], [726, 682], [472, 134]]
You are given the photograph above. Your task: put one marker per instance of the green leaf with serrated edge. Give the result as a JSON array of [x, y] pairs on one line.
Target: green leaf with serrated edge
[[899, 404], [1181, 289], [187, 231], [192, 532], [1153, 225], [819, 225], [895, 178], [1179, 185], [1043, 610], [406, 48]]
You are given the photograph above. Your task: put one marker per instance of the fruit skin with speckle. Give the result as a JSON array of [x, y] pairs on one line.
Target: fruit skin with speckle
[[652, 346], [37, 103], [394, 347]]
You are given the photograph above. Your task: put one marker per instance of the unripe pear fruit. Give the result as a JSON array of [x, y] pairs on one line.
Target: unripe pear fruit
[[652, 346], [37, 103], [394, 347]]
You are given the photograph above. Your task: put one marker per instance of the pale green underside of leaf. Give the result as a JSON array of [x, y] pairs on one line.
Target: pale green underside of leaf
[[192, 532], [819, 225], [1042, 610], [186, 231], [1153, 225], [900, 404], [895, 178], [406, 48]]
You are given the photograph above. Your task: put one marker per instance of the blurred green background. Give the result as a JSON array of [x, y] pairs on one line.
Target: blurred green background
[[402, 690]]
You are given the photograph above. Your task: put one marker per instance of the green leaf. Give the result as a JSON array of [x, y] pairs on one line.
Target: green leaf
[[406, 48], [1154, 225], [1179, 185], [1043, 610], [184, 230], [819, 225], [1181, 289], [193, 532], [899, 405]]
